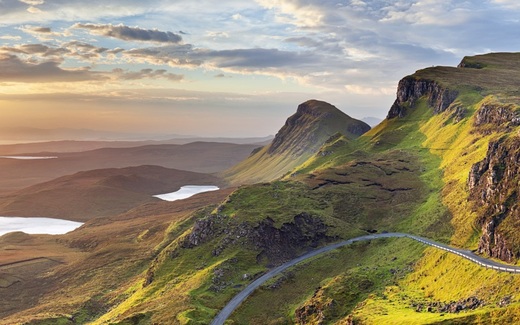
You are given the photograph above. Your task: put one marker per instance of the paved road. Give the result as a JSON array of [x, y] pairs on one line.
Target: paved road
[[241, 296]]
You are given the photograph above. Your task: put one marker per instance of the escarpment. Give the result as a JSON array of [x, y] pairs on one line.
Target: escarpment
[[494, 185], [410, 89]]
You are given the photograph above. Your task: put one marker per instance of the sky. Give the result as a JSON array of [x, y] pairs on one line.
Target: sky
[[226, 68]]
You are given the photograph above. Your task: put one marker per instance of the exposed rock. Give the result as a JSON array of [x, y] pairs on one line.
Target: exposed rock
[[469, 64], [274, 244], [494, 187], [279, 245], [470, 303], [206, 229], [411, 89], [498, 116], [505, 301], [459, 113]]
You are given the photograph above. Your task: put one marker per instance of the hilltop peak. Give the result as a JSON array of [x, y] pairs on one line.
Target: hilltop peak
[[316, 108], [314, 122], [301, 137]]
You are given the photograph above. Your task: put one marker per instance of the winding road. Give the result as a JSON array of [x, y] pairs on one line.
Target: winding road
[[241, 296]]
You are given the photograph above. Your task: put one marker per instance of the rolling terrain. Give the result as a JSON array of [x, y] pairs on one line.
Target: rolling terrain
[[79, 145], [443, 166], [201, 157], [99, 193]]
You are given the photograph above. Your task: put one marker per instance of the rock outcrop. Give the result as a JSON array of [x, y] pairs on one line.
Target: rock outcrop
[[495, 115], [410, 89], [494, 186], [274, 244]]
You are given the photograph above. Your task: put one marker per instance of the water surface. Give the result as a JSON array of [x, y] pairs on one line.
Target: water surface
[[28, 157], [49, 226], [186, 192]]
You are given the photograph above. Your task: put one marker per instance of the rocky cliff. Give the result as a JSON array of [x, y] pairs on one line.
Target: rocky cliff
[[494, 185], [410, 89]]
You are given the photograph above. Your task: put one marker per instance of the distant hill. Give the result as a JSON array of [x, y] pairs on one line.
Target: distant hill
[[301, 136], [202, 157], [80, 145], [100, 192]]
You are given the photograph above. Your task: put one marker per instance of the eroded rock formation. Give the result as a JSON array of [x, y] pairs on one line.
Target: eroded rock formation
[[411, 89], [494, 185]]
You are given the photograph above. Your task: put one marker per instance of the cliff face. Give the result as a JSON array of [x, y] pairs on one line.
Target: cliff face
[[410, 89], [494, 115], [494, 185]]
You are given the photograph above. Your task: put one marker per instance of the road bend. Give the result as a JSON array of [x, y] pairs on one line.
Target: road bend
[[241, 296]]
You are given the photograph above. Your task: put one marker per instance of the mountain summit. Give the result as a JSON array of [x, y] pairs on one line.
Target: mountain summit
[[302, 136]]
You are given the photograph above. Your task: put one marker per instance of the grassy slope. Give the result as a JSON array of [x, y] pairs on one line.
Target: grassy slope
[[447, 150], [346, 197], [439, 276]]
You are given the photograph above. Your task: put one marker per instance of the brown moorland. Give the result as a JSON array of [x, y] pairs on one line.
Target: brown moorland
[[51, 275], [99, 193], [201, 157]]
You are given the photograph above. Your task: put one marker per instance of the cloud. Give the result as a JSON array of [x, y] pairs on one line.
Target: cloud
[[85, 51], [10, 37], [33, 2], [252, 59], [172, 55], [12, 69], [130, 33], [41, 50], [42, 33], [146, 74]]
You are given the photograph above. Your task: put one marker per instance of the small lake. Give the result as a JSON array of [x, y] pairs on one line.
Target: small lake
[[28, 157], [48, 226], [186, 192]]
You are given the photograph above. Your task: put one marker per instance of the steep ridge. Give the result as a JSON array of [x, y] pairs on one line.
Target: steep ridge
[[302, 135], [101, 192]]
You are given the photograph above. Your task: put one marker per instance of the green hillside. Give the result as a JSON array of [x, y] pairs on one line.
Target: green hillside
[[443, 165]]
